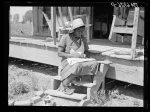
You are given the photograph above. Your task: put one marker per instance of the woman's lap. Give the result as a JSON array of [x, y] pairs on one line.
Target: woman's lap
[[83, 68]]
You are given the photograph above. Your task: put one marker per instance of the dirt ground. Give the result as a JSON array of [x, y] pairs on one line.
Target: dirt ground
[[122, 94]]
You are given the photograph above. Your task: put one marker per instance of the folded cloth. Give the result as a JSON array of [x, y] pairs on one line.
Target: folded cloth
[[72, 61]]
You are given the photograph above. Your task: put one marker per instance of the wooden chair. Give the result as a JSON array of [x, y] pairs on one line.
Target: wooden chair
[[115, 28]]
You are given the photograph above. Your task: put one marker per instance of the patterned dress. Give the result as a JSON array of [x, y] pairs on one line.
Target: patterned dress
[[79, 68]]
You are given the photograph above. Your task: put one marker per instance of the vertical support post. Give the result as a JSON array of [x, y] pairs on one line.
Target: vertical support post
[[134, 35], [143, 41], [40, 20], [70, 13], [92, 23], [87, 23], [61, 17], [88, 93], [53, 19], [9, 25]]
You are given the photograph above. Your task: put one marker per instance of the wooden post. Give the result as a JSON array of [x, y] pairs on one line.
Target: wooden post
[[134, 36], [112, 27], [70, 13], [61, 17], [53, 19], [92, 23], [35, 27], [87, 23], [40, 20], [9, 25]]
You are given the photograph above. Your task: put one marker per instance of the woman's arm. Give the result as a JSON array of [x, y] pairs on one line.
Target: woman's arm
[[87, 53], [61, 53]]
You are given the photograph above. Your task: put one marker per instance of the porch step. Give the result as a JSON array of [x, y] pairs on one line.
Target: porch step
[[84, 83], [56, 77], [63, 95], [105, 62]]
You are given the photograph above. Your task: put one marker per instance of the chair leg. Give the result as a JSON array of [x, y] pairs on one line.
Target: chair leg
[[88, 93], [103, 84]]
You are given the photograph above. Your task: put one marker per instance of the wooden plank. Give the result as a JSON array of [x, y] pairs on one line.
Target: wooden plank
[[61, 17], [131, 71], [134, 36], [53, 19], [91, 19], [34, 42], [63, 95], [70, 13], [130, 20], [122, 30], [119, 22], [35, 26], [40, 20], [112, 27], [84, 83], [35, 54], [133, 75], [56, 77], [104, 62], [48, 22], [87, 23]]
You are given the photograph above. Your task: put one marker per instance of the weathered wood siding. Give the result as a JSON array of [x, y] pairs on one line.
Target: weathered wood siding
[[40, 25]]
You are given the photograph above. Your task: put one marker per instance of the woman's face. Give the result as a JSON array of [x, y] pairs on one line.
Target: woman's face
[[79, 31]]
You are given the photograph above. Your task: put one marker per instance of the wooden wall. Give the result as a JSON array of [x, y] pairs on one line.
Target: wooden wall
[[39, 22]]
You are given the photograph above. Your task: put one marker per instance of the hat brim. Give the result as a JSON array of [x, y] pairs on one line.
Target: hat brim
[[72, 30]]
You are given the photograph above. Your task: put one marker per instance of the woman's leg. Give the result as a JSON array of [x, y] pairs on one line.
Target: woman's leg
[[68, 80]]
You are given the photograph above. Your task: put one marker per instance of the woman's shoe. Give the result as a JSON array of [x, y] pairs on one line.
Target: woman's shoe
[[69, 90]]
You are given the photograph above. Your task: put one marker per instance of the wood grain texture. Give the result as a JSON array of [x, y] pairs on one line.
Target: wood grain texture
[[135, 29], [63, 95], [53, 27]]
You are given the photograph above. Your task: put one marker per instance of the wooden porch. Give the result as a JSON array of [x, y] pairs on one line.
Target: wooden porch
[[123, 67]]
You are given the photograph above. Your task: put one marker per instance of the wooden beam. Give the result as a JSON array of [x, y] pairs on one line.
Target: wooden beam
[[123, 30], [70, 13], [61, 17], [84, 83], [135, 28], [92, 22], [112, 27], [40, 22], [35, 26], [53, 20], [63, 95], [37, 54], [87, 23]]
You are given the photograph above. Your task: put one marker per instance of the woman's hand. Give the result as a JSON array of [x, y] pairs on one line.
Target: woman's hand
[[77, 55]]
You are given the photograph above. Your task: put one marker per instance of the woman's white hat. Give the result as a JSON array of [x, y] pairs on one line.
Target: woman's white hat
[[76, 23]]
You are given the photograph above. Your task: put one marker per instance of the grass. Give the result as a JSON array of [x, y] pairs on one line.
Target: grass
[[113, 98], [19, 29], [23, 83], [19, 82]]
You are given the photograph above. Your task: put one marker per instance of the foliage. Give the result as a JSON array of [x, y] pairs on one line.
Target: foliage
[[19, 82], [16, 18], [27, 16]]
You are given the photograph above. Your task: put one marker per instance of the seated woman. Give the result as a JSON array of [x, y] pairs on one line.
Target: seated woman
[[74, 46]]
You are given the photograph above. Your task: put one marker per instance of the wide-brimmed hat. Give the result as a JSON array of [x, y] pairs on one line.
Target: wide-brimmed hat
[[76, 23]]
